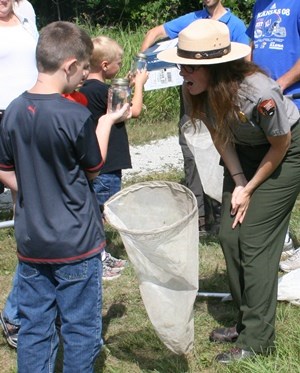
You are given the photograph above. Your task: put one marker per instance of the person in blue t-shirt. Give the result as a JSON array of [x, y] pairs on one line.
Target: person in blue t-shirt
[[275, 34], [275, 39], [209, 210]]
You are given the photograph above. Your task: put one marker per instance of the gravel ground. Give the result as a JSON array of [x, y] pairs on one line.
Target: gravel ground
[[157, 156]]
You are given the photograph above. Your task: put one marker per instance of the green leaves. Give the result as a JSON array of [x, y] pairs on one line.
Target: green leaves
[[133, 13]]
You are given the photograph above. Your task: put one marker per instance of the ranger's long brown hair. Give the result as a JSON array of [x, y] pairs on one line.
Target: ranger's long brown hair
[[219, 103]]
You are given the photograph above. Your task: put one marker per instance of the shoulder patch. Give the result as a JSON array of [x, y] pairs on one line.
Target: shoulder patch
[[267, 107]]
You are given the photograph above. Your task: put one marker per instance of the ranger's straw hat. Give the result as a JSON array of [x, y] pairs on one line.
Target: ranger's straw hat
[[204, 42]]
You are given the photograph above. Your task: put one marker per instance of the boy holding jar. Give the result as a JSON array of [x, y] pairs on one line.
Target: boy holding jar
[[105, 64]]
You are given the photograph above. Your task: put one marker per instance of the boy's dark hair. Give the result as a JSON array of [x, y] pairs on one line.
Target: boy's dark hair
[[59, 41]]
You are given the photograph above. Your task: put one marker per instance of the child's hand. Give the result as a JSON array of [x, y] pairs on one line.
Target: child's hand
[[122, 114], [139, 78]]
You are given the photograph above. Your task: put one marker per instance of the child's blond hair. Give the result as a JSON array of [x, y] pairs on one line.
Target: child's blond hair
[[105, 49]]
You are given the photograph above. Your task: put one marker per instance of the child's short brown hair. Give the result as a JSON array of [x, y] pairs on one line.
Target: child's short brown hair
[[59, 41], [105, 49]]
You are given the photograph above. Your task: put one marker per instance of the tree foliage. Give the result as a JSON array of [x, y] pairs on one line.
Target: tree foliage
[[132, 13]]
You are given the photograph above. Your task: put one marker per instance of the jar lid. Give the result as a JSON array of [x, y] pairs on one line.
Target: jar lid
[[141, 55], [120, 81]]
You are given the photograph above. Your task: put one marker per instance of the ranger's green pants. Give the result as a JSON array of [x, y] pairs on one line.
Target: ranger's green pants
[[252, 250]]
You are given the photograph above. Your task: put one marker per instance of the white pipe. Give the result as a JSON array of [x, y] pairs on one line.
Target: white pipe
[[6, 224], [214, 295]]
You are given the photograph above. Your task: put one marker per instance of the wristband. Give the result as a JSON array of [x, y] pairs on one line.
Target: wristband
[[238, 173]]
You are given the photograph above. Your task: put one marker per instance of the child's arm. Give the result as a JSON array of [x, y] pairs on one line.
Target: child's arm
[[137, 99], [8, 178]]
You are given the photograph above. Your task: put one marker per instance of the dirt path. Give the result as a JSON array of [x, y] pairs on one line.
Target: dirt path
[[156, 156]]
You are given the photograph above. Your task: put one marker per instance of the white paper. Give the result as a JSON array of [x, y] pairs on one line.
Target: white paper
[[163, 78], [161, 46], [161, 74]]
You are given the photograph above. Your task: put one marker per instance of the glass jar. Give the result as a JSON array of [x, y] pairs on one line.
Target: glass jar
[[119, 93], [139, 63]]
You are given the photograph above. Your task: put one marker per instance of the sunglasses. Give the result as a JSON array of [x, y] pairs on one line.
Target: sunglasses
[[188, 68]]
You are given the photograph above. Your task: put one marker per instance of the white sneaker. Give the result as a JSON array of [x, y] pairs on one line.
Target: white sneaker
[[288, 249], [109, 274], [113, 262], [291, 263]]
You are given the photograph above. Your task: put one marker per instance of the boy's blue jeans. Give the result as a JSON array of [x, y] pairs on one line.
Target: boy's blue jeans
[[74, 291], [106, 185], [10, 311]]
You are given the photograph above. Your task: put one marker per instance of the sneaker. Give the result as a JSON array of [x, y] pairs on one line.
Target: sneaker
[[291, 263], [109, 274], [112, 262], [288, 249], [10, 331]]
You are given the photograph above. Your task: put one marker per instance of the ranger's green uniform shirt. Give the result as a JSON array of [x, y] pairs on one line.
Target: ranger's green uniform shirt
[[264, 111]]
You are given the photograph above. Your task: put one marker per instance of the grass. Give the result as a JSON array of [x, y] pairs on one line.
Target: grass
[[143, 132], [132, 344]]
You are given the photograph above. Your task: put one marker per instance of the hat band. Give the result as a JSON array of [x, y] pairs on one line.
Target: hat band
[[203, 55]]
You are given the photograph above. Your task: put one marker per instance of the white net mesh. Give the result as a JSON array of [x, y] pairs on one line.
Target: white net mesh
[[158, 223], [206, 158]]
